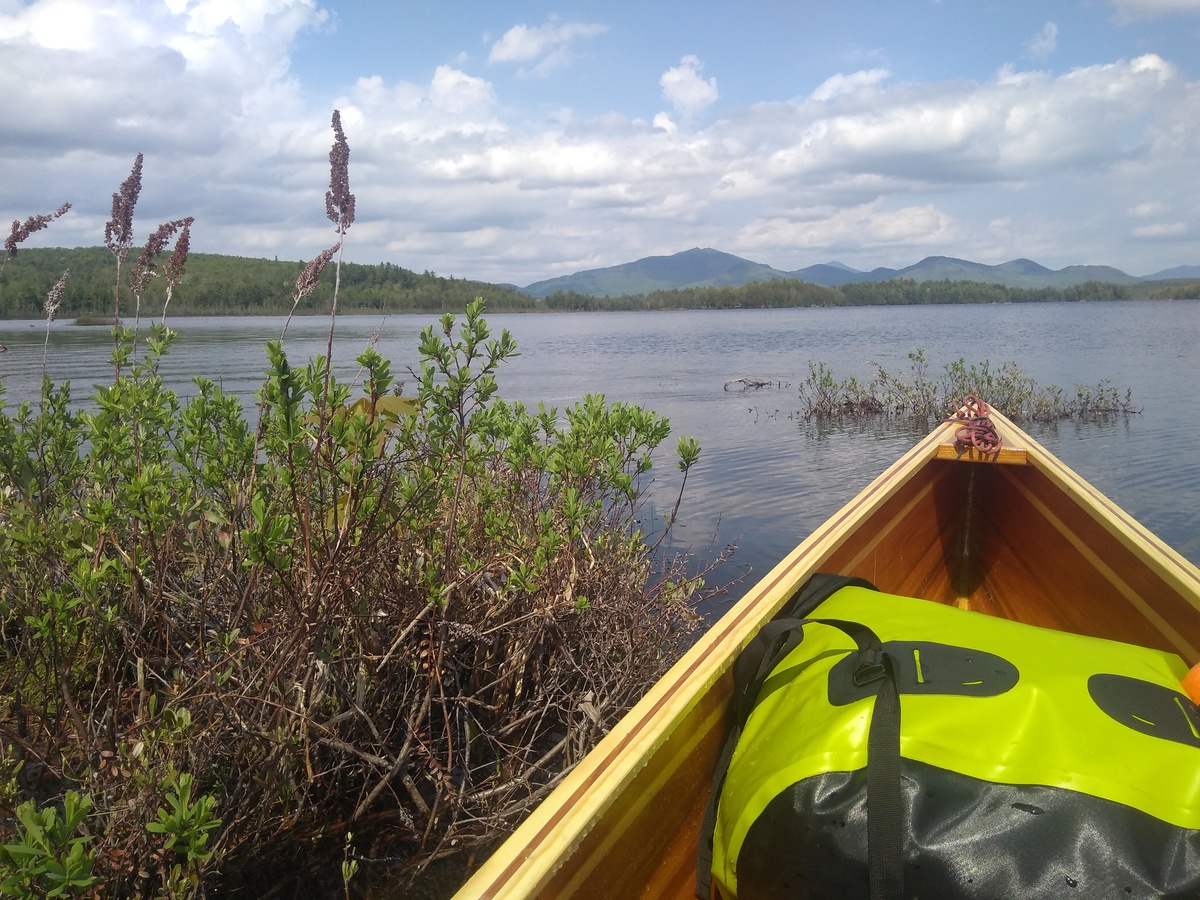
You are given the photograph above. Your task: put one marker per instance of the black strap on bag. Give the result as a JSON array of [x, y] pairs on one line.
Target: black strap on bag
[[778, 638], [885, 807]]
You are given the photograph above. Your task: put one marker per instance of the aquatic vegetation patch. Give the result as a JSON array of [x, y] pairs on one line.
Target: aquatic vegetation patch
[[922, 396]]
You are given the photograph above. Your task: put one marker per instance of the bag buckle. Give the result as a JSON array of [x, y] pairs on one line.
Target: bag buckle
[[869, 668]]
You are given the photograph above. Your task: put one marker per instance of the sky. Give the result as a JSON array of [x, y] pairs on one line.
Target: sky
[[513, 142]]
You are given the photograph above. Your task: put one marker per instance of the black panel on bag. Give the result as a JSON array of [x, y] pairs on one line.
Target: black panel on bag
[[967, 839], [923, 667], [1152, 709]]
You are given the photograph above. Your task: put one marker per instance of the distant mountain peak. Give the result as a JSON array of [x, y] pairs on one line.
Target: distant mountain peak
[[707, 267], [697, 267], [1024, 266], [1176, 272]]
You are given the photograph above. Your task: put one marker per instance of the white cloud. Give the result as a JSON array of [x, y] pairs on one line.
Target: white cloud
[[1045, 42], [454, 175], [840, 84], [455, 91], [549, 45], [871, 225], [207, 17], [1145, 210], [684, 87], [194, 28], [1011, 129], [1162, 230], [741, 183], [142, 76]]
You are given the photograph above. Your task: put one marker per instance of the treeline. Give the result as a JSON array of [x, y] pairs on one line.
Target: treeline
[[1173, 290], [897, 292], [233, 285], [757, 295], [905, 292]]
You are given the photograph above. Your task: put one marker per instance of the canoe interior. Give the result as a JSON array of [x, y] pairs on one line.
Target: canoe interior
[[1024, 538], [1005, 540]]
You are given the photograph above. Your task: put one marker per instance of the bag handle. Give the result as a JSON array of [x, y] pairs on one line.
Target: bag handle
[[774, 641]]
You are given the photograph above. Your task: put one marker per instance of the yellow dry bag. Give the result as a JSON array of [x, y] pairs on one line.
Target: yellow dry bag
[[886, 746]]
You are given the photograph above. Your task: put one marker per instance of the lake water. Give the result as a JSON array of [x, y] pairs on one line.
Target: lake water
[[766, 477]]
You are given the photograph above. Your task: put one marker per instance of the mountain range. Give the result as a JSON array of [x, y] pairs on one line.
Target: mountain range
[[705, 267]]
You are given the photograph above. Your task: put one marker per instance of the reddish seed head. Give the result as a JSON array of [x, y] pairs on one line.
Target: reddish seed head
[[22, 230], [311, 276], [145, 269], [339, 202], [178, 260], [118, 233]]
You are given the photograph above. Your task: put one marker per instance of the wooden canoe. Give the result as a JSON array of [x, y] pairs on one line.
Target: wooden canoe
[[1017, 534]]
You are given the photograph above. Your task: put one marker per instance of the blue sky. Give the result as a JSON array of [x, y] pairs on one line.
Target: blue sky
[[520, 141]]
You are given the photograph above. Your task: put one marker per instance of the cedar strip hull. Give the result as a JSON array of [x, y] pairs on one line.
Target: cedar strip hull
[[1020, 536]]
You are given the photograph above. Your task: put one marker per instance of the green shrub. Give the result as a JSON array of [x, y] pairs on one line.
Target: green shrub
[[47, 857], [411, 615], [366, 627]]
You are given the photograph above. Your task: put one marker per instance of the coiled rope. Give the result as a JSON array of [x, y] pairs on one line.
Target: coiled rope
[[975, 430]]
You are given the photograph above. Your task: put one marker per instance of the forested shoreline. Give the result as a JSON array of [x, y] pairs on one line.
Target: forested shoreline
[[233, 285]]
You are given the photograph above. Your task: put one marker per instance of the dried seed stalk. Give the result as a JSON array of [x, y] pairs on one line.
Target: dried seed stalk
[[22, 230], [118, 231], [339, 202], [178, 260]]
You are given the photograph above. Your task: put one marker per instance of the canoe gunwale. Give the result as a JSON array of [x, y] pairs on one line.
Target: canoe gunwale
[[531, 862], [564, 818]]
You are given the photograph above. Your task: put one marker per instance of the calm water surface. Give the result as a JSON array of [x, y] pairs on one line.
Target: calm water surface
[[766, 478]]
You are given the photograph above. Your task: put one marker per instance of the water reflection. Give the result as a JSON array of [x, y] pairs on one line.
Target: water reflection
[[767, 477]]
